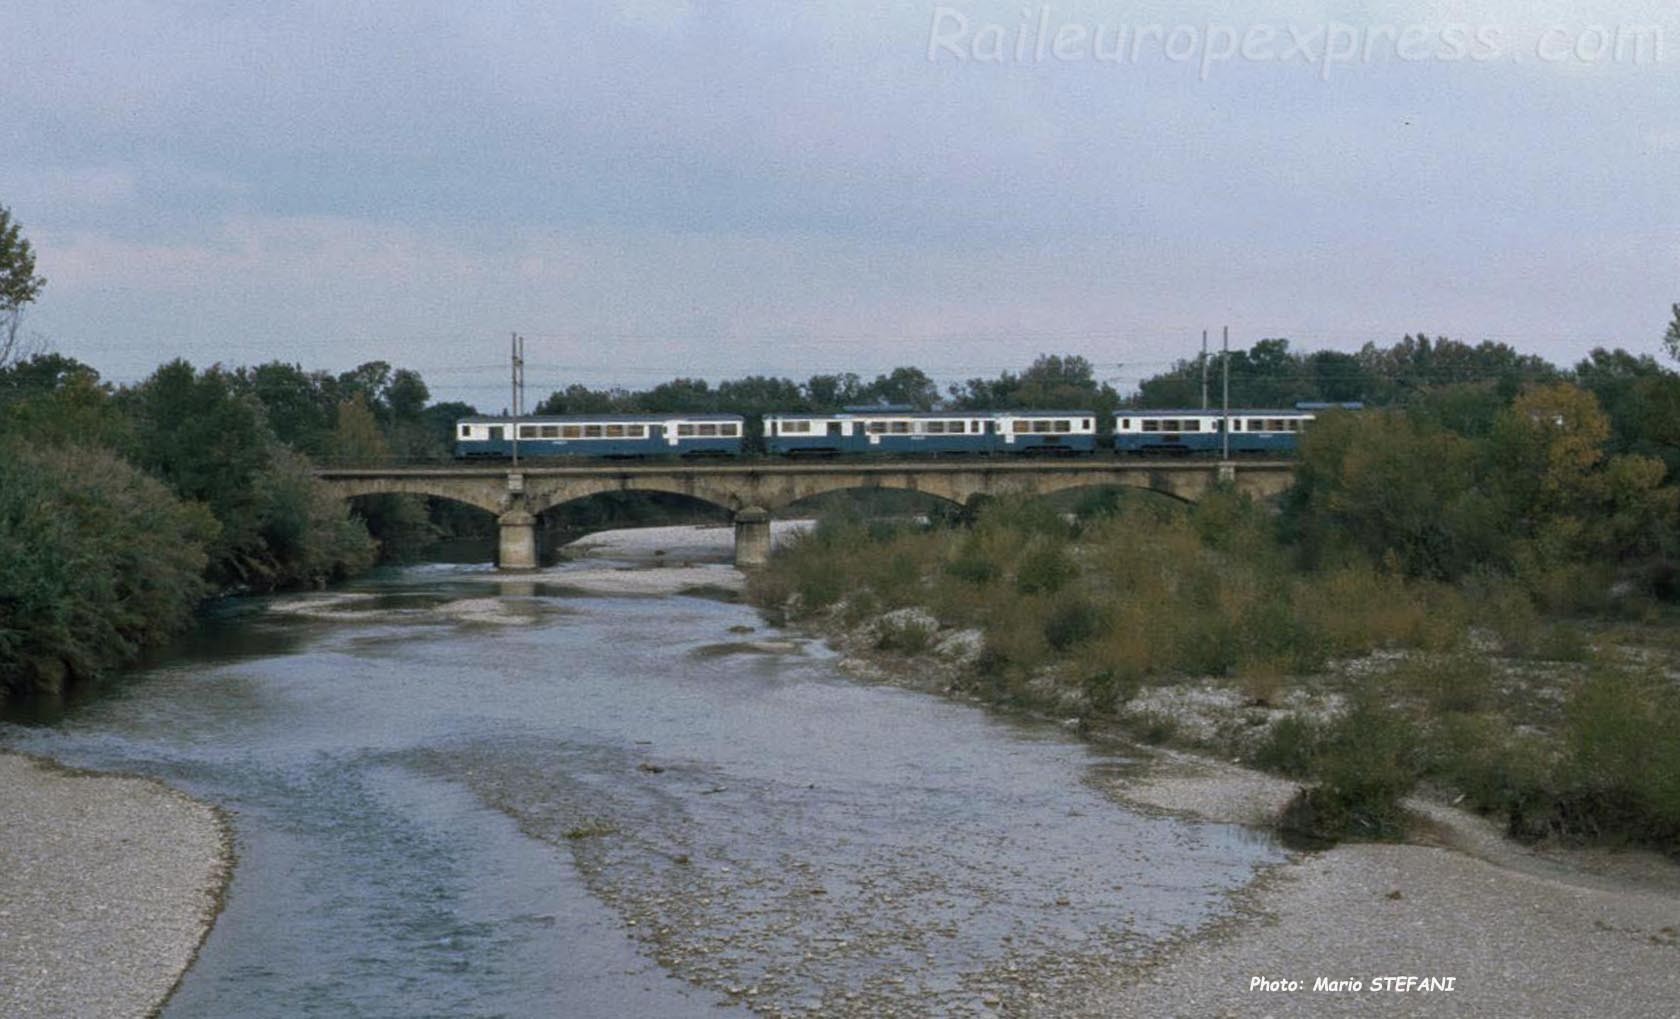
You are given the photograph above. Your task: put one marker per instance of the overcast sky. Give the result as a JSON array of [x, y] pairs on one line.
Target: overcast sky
[[652, 188]]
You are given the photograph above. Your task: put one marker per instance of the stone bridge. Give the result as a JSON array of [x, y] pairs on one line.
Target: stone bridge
[[754, 490]]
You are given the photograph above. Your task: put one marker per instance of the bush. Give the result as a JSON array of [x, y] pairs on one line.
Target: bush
[[1623, 756], [973, 567], [1289, 747], [1498, 769], [1045, 567], [903, 636], [1455, 683], [1071, 621], [1366, 762], [96, 561], [1105, 689]]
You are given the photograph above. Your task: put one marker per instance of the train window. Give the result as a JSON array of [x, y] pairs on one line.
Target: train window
[[796, 427], [1193, 425], [1085, 424], [900, 428], [1125, 424], [571, 431], [592, 431], [1275, 425], [1061, 427], [551, 431], [615, 431], [1256, 425], [1236, 424], [466, 431], [876, 427], [529, 431], [706, 431], [731, 430], [1151, 425], [1020, 427], [685, 431], [635, 431], [933, 427]]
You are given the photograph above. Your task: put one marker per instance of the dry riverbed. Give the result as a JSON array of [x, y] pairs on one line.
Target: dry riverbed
[[108, 884]]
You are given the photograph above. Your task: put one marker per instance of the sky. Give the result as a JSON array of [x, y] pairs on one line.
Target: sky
[[648, 189]]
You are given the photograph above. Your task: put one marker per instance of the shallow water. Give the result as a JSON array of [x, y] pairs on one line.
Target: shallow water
[[458, 795]]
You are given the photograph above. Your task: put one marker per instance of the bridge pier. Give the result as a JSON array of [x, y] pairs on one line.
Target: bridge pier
[[517, 549], [752, 538]]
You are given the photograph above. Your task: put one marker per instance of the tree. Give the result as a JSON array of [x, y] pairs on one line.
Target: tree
[[1671, 339], [300, 404], [907, 387], [357, 437], [19, 286], [406, 395]]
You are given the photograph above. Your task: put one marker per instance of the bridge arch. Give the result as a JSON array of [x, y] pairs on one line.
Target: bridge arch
[[474, 495]]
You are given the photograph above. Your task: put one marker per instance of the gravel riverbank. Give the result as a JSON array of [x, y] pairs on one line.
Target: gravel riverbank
[[1517, 932], [108, 884]]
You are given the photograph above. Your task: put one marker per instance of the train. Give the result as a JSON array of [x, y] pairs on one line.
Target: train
[[891, 432]]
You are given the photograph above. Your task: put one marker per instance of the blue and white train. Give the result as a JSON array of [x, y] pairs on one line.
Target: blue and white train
[[1254, 432], [891, 432], [908, 433], [603, 435]]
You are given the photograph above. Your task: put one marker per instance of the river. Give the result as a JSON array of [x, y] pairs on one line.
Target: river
[[461, 794]]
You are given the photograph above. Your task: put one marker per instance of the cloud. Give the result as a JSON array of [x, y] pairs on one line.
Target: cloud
[[746, 182]]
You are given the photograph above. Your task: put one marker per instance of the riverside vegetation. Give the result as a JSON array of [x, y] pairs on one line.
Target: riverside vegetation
[[1481, 610]]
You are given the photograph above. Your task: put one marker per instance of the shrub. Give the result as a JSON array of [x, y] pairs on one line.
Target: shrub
[[1263, 683], [1366, 762], [1455, 683], [973, 567], [1497, 768], [98, 561], [1105, 689], [1623, 755], [1071, 621], [1045, 568], [903, 636], [1289, 746]]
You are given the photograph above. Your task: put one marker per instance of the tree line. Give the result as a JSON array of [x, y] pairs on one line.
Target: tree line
[[1475, 456]]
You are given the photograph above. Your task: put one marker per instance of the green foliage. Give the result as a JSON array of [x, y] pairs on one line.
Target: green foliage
[[1044, 568], [1072, 621], [1290, 747], [19, 286], [96, 561], [1366, 761], [1499, 769], [1623, 755], [1398, 492], [1448, 684]]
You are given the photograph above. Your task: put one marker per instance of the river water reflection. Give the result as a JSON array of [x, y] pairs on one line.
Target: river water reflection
[[460, 795]]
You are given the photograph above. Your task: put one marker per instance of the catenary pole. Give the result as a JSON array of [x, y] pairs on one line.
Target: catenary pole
[[513, 353], [1204, 369], [1225, 400]]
